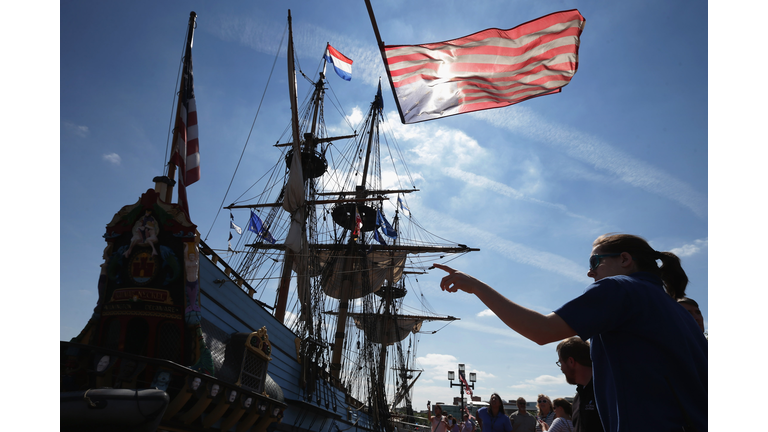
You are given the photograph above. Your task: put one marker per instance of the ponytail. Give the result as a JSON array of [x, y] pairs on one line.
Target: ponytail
[[672, 274]]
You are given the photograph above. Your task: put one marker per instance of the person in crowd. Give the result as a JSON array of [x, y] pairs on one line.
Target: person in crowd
[[692, 307], [439, 422], [545, 412], [562, 421], [454, 425], [493, 418], [576, 365], [466, 424], [520, 419], [644, 346]]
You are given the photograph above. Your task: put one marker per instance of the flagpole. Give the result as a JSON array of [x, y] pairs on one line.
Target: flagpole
[[380, 43], [174, 141]]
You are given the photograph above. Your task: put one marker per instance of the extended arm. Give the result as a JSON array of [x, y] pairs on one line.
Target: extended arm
[[535, 326]]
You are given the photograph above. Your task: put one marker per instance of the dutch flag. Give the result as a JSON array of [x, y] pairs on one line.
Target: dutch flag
[[340, 62]]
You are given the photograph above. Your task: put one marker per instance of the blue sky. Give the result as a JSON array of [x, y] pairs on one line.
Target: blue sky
[[624, 148]]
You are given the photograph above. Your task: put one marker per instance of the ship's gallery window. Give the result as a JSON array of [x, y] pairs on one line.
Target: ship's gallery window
[[254, 372], [136, 333]]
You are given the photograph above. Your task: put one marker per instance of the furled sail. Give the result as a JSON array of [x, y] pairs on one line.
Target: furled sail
[[387, 329], [359, 276]]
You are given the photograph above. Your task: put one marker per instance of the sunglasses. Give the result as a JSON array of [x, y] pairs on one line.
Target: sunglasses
[[594, 260], [543, 401]]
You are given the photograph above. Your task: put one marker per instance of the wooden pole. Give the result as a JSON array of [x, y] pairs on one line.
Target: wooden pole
[[380, 43]]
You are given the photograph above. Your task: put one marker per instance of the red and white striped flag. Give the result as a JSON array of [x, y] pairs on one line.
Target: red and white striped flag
[[489, 69], [186, 155], [468, 389], [358, 224]]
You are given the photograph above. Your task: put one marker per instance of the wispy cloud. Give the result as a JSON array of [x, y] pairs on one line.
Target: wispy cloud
[[597, 153], [309, 41], [112, 158], [77, 130], [691, 249], [433, 144], [502, 189], [486, 313], [510, 250]]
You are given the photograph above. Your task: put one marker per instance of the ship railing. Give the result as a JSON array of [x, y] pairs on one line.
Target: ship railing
[[195, 397], [231, 273]]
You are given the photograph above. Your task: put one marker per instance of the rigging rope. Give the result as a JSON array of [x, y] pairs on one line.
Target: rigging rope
[[269, 78]]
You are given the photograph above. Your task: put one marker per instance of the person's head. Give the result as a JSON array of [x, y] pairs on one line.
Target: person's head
[[496, 403], [624, 254], [465, 416], [103, 364], [573, 357], [693, 308], [520, 404], [562, 408], [544, 404], [438, 410]]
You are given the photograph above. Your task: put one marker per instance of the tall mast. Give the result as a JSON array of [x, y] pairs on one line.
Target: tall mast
[[285, 280]]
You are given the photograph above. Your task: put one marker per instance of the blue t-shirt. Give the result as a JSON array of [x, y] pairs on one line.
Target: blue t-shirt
[[500, 423], [649, 356]]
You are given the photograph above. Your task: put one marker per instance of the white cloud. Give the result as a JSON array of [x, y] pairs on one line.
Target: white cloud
[[541, 381], [112, 158], [691, 249], [486, 313], [436, 365], [436, 145], [80, 131]]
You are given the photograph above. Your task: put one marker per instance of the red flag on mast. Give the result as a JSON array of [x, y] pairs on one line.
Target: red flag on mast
[[492, 68], [468, 389], [186, 148]]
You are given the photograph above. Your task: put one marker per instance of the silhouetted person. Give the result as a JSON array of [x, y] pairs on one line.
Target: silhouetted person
[[644, 346], [576, 365]]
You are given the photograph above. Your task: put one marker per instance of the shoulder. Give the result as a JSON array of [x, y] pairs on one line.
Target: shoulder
[[608, 302]]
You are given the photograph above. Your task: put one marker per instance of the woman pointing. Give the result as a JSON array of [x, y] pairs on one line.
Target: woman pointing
[[644, 346]]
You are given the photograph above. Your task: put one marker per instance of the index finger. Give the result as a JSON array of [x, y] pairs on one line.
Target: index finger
[[444, 268]]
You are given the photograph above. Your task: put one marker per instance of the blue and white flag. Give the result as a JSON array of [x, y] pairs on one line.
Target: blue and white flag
[[385, 226], [402, 205], [255, 225], [233, 226], [378, 237], [340, 62]]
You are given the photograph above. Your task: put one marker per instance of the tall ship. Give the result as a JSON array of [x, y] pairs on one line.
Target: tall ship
[[179, 340]]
